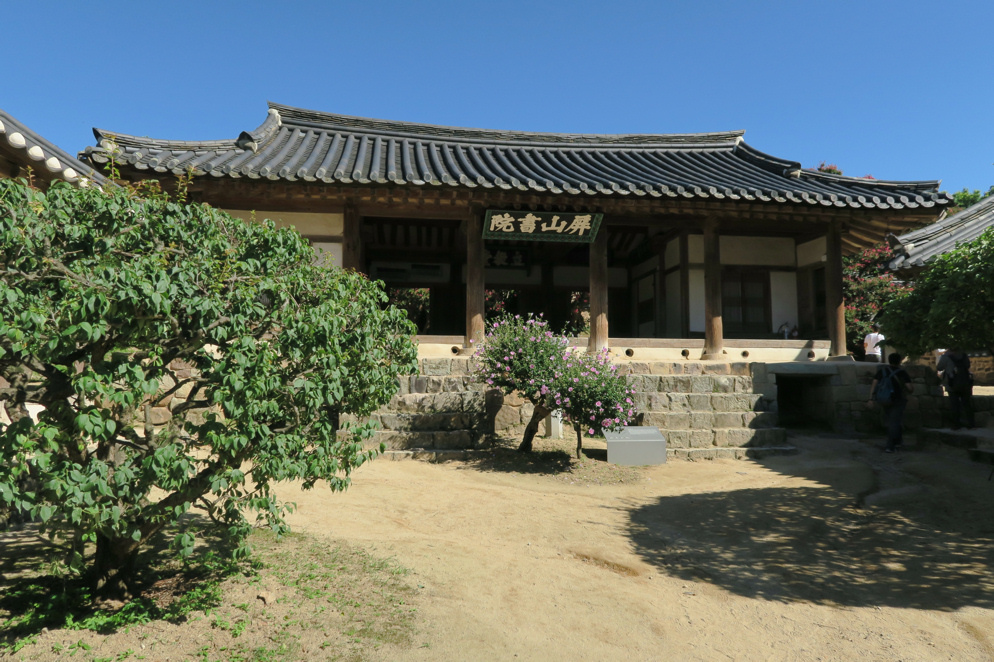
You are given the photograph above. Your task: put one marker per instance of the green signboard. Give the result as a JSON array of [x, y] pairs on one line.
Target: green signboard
[[541, 226]]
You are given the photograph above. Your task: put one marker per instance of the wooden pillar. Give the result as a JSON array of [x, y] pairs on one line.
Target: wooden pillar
[[684, 285], [475, 262], [834, 305], [713, 332], [598, 292], [351, 239]]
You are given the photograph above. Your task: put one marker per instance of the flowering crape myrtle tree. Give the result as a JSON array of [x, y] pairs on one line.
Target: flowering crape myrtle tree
[[591, 395], [521, 354], [866, 289], [116, 307]]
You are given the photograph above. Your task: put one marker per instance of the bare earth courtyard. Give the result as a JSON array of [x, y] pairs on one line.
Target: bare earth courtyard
[[839, 552], [740, 560]]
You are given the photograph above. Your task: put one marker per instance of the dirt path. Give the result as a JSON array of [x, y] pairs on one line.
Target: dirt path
[[736, 560]]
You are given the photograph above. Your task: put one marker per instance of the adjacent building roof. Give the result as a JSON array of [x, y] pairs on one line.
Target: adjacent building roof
[[293, 144], [25, 148], [916, 249]]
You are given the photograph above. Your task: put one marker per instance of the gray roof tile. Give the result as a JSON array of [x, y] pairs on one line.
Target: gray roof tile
[[296, 144], [916, 249], [44, 157]]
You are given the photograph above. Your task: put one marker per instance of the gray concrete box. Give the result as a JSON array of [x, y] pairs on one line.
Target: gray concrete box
[[636, 446]]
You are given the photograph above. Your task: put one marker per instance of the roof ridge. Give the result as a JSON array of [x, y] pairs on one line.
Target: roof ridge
[[320, 119]]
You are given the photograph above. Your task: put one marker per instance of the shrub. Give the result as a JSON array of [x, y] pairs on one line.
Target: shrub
[[113, 305], [521, 354]]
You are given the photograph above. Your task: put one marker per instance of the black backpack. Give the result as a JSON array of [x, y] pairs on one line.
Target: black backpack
[[961, 376], [886, 389]]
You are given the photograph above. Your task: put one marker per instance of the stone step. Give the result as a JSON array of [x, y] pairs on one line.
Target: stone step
[[752, 452], [691, 383], [428, 439], [439, 384], [724, 438], [706, 420], [438, 402], [428, 422], [984, 455], [965, 439]]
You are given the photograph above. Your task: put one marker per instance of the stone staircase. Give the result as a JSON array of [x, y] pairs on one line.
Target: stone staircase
[[438, 411], [978, 443], [705, 410], [710, 410]]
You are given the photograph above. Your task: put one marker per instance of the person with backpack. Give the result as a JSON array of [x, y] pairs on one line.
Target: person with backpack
[[954, 369], [890, 388]]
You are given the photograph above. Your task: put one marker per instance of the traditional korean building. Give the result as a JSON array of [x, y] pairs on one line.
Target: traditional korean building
[[24, 152], [915, 250], [695, 244]]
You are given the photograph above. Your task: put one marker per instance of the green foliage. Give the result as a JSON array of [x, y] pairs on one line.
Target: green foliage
[[591, 395], [521, 354], [951, 305], [866, 288], [116, 307], [415, 302], [967, 198]]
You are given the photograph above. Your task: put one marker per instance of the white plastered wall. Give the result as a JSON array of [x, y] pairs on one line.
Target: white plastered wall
[[747, 251], [783, 298], [323, 230], [811, 252]]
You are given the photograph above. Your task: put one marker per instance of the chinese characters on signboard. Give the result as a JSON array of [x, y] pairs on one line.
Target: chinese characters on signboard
[[541, 226], [506, 258]]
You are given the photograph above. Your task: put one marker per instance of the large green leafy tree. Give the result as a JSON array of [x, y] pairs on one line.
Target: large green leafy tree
[[114, 305], [952, 304], [866, 288]]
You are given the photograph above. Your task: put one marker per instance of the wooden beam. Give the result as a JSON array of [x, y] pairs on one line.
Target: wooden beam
[[474, 279], [598, 292], [834, 305], [352, 242], [713, 331]]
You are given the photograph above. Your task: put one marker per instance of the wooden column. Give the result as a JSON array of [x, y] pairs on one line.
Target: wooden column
[[834, 305], [598, 291], [713, 338], [684, 286], [475, 261], [351, 241]]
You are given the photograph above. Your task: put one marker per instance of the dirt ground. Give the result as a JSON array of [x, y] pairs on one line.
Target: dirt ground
[[837, 553]]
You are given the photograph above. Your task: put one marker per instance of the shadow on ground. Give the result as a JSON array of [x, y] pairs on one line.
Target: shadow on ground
[[932, 550], [36, 591], [504, 457]]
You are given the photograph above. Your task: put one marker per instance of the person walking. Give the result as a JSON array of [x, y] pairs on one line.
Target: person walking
[[873, 345], [954, 369], [890, 388]]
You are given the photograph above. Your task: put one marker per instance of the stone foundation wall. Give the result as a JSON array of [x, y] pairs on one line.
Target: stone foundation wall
[[843, 390]]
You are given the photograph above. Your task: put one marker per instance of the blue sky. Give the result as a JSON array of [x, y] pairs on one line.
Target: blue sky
[[899, 90]]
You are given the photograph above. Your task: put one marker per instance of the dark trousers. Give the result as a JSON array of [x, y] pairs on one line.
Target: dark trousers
[[961, 403], [871, 358], [894, 417]]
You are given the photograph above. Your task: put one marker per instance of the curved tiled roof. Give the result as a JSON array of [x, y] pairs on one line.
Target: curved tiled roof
[[916, 249], [302, 145], [47, 160]]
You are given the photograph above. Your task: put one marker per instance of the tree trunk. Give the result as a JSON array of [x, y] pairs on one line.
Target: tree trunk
[[579, 441], [113, 567], [539, 415]]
